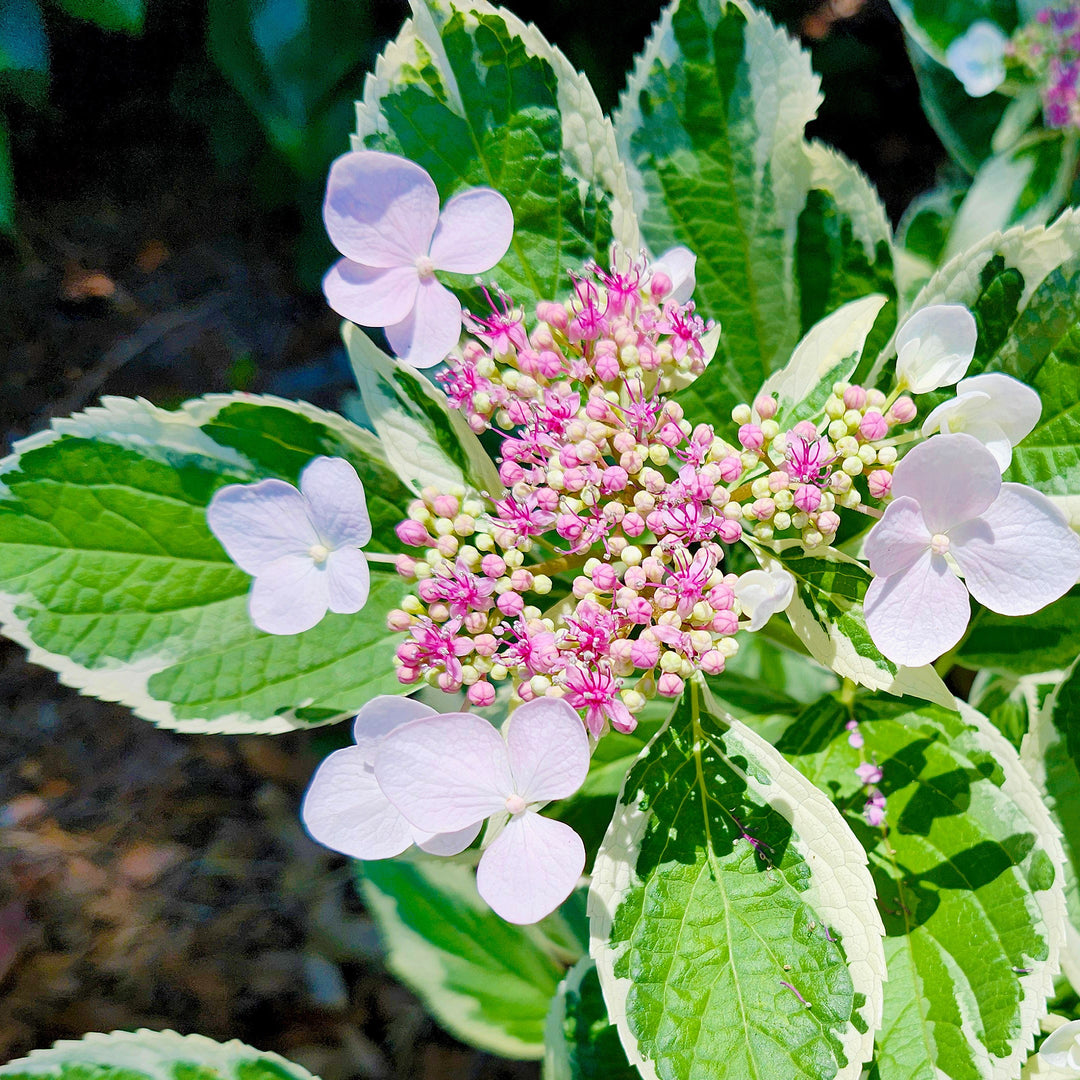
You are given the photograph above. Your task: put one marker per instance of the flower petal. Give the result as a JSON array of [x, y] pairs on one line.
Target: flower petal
[[381, 715], [918, 615], [445, 772], [336, 502], [289, 596], [977, 57], [446, 843], [260, 523], [1012, 405], [345, 809], [763, 593], [368, 296], [953, 478], [531, 868], [1060, 1046], [426, 336], [348, 580], [898, 539], [678, 263], [1020, 555], [380, 209], [548, 749], [475, 229], [935, 347]]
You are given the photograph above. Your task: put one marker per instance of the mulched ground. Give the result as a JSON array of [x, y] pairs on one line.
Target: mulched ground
[[153, 879]]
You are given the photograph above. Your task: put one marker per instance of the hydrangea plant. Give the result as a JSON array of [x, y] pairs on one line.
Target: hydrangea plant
[[709, 617]]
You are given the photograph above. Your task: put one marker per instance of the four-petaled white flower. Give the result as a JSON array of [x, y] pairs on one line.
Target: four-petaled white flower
[[950, 510], [763, 593], [996, 409], [935, 347], [302, 547], [449, 772], [977, 57], [382, 214], [345, 808], [1059, 1053]]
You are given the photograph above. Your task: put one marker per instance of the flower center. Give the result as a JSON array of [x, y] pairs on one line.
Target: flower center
[[318, 553], [939, 543], [425, 268], [515, 804]]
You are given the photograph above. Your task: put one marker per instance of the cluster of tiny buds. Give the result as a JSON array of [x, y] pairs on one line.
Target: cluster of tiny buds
[[810, 474], [870, 775]]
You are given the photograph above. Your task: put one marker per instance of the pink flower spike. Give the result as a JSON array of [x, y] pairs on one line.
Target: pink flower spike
[[382, 213], [344, 808], [456, 766], [302, 547], [1013, 546]]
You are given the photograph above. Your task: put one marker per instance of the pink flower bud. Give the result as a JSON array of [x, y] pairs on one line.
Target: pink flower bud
[[482, 694], [731, 469], [568, 457], [807, 498], [493, 566], [438, 612], [712, 662], [805, 429], [869, 773], [751, 437], [547, 499], [828, 522], [778, 480], [603, 577], [763, 509], [447, 546], [644, 653], [582, 587], [660, 285], [511, 473], [408, 652], [413, 533], [448, 683], [669, 685], [633, 524], [614, 479], [854, 397], [398, 620], [569, 526], [879, 482], [670, 435], [606, 367], [485, 644], [405, 565], [729, 531], [765, 406], [656, 521], [428, 589], [521, 580], [623, 442], [407, 675], [632, 462], [639, 611], [510, 603], [553, 314], [725, 622], [903, 410], [635, 578], [721, 596], [873, 427], [475, 621], [446, 506]]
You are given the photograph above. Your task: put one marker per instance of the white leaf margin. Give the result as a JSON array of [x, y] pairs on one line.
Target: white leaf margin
[[150, 1052], [138, 424], [587, 135], [1037, 985], [841, 889], [556, 1052]]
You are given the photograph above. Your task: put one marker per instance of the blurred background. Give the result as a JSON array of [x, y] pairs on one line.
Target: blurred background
[[161, 173]]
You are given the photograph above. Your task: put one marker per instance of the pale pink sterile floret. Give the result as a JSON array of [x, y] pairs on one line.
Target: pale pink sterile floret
[[301, 546], [382, 214], [450, 772], [346, 810], [764, 593], [1013, 546]]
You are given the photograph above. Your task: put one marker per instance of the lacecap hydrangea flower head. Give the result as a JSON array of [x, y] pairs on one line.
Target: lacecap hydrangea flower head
[[599, 576]]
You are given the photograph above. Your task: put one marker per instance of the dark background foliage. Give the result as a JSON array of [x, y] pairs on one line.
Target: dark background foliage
[[164, 240]]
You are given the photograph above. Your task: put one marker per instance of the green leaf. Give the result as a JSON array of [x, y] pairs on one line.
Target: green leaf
[[711, 126], [486, 981], [425, 440], [110, 576], [826, 614], [580, 1042], [152, 1055], [477, 97], [296, 64], [1050, 753], [968, 871], [126, 15], [7, 182], [1048, 639], [733, 921]]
